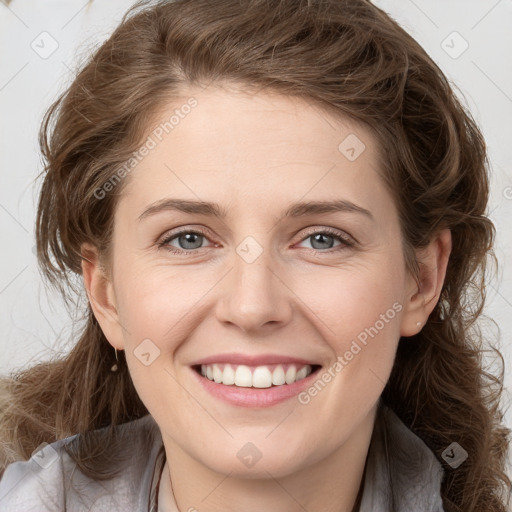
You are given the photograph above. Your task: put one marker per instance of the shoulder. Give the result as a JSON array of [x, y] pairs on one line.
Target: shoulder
[[402, 472], [51, 480]]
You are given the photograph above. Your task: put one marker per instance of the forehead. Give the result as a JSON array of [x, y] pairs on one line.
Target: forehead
[[259, 146]]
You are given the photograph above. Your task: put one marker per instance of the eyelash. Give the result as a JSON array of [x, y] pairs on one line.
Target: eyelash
[[345, 241]]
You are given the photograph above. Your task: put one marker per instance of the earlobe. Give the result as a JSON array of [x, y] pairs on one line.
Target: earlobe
[[433, 262], [100, 293]]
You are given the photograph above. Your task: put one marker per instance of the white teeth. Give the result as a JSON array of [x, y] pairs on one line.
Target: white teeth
[[291, 374], [259, 377], [228, 376], [217, 373], [243, 377], [278, 377], [303, 372]]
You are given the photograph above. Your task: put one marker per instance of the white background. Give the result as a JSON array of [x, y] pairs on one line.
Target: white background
[[33, 325]]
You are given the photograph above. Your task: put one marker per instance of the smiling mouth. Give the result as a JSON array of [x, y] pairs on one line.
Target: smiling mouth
[[265, 376]]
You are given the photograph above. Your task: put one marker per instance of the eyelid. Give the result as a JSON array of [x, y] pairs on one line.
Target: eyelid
[[172, 234], [347, 241], [343, 235]]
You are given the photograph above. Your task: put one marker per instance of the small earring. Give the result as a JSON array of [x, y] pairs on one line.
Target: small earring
[[115, 366], [418, 324]]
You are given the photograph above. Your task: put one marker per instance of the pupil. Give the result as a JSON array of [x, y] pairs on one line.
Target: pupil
[[188, 240], [320, 236]]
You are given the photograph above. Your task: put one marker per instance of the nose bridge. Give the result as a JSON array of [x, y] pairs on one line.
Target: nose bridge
[[254, 295]]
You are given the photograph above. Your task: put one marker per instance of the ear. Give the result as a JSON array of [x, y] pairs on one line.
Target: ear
[[100, 292], [432, 261]]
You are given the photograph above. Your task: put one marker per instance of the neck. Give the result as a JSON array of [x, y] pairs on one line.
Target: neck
[[332, 484]]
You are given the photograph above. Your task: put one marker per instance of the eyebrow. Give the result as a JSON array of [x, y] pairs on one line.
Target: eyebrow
[[214, 210]]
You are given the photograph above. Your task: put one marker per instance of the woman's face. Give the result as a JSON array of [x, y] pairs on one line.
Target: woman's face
[[265, 278]]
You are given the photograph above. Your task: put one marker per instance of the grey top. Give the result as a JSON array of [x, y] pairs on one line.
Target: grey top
[[402, 474]]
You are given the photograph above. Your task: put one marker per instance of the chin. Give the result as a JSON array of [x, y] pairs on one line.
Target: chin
[[249, 462]]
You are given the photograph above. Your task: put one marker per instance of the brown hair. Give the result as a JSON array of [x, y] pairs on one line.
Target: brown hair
[[350, 58]]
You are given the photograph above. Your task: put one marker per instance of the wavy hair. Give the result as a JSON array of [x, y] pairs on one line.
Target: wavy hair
[[350, 58]]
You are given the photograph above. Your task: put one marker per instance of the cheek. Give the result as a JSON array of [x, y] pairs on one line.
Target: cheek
[[155, 306], [155, 302], [357, 312], [345, 302], [365, 312]]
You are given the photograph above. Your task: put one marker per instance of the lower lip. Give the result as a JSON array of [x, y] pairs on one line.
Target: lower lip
[[255, 397]]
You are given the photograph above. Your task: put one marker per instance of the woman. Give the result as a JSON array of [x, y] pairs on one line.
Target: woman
[[250, 371]]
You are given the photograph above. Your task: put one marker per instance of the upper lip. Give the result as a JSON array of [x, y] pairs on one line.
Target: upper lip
[[252, 360]]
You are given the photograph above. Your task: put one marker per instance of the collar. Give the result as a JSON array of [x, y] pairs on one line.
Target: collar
[[402, 472]]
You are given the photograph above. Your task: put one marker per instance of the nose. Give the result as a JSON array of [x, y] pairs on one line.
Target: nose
[[254, 295]]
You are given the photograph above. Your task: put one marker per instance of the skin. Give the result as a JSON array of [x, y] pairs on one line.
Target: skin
[[254, 155]]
